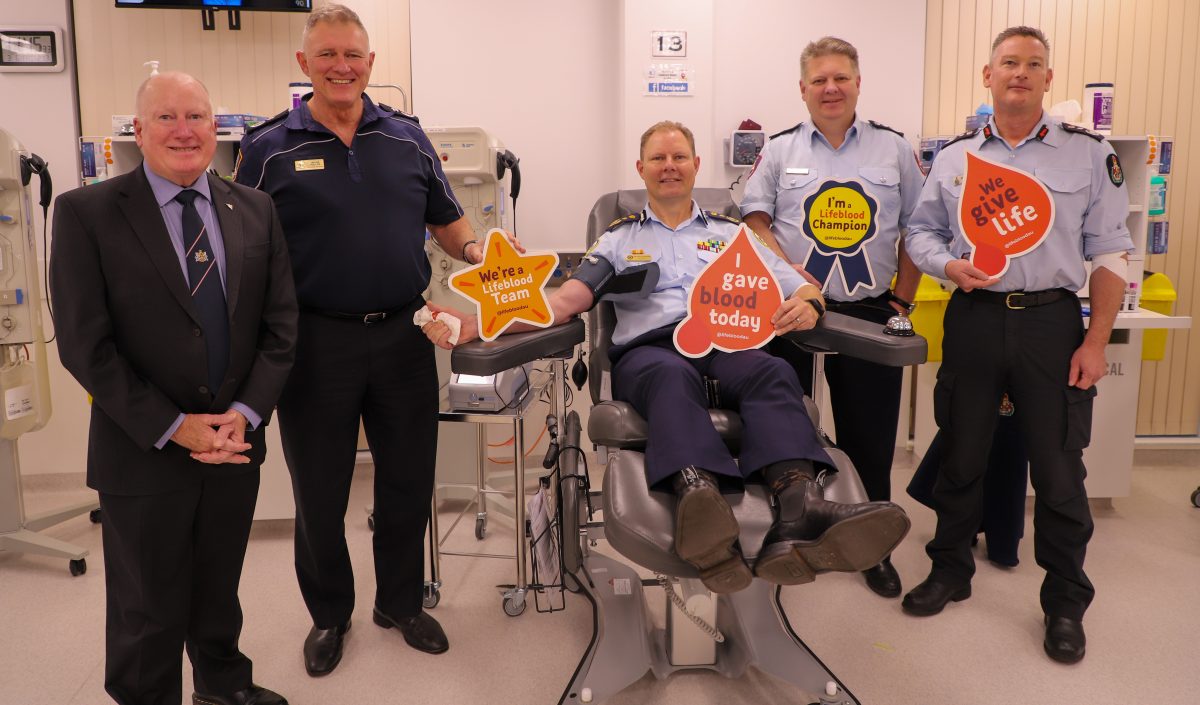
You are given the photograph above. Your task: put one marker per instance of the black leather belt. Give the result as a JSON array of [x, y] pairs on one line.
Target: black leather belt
[[364, 318], [1017, 300]]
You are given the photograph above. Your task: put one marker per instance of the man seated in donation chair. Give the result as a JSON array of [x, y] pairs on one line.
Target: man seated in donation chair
[[684, 451]]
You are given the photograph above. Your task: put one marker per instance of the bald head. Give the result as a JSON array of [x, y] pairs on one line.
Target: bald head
[[174, 127], [167, 81]]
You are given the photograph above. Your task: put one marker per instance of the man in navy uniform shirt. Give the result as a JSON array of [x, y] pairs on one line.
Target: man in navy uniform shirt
[[684, 451], [802, 168], [1022, 332], [357, 184]]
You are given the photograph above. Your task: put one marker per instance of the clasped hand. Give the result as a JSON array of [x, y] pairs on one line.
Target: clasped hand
[[214, 438]]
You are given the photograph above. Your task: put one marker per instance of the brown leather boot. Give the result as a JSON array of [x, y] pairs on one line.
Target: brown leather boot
[[706, 532]]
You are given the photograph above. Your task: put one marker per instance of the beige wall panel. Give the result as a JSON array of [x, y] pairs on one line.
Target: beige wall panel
[[983, 44], [246, 71], [1151, 50], [947, 121], [933, 66], [1186, 211], [1070, 77]]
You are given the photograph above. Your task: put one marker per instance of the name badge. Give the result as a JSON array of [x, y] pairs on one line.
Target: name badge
[[310, 164], [798, 170]]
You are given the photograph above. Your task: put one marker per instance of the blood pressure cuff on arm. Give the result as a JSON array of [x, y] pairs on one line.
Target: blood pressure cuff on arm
[[599, 275]]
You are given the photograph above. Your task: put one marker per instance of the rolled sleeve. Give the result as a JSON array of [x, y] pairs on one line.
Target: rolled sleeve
[[789, 279], [911, 183], [762, 186], [1104, 225], [929, 234]]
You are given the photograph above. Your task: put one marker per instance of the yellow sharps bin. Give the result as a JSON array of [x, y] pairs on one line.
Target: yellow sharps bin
[[931, 301], [1158, 295]]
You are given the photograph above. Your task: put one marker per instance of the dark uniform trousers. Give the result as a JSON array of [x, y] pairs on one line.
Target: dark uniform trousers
[[1004, 484], [990, 348], [384, 372], [865, 398], [154, 588], [667, 390]]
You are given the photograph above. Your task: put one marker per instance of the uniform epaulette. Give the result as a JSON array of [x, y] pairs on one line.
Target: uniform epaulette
[[795, 127], [721, 216], [265, 123], [398, 113], [881, 126], [631, 218], [966, 135], [1081, 131]]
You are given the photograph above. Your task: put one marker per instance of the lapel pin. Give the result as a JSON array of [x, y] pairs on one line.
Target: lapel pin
[[229, 206]]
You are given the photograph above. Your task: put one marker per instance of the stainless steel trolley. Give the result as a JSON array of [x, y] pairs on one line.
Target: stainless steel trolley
[[488, 358]]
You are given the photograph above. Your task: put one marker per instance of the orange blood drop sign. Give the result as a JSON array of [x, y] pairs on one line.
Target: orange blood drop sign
[[731, 303], [1003, 212]]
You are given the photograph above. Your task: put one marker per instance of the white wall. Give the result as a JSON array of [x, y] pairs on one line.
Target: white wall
[[562, 84], [39, 109], [757, 56], [541, 77]]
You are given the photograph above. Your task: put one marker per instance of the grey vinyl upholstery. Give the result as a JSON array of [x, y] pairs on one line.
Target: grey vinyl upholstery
[[639, 522]]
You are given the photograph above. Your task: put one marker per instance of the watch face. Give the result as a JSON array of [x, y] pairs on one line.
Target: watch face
[[27, 48]]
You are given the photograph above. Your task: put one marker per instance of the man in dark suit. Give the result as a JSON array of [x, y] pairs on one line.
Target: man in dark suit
[[176, 311]]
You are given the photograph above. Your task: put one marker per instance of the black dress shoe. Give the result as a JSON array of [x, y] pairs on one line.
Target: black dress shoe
[[931, 596], [1065, 641], [822, 536], [706, 532], [323, 649], [883, 579], [254, 695], [421, 631]]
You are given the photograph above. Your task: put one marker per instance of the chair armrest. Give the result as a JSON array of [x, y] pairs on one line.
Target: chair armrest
[[484, 358], [865, 340]]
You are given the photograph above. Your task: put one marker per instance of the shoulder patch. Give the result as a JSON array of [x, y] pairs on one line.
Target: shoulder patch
[[1081, 131], [966, 135], [881, 126], [1115, 174], [722, 216], [795, 127], [398, 113], [632, 217], [265, 123]]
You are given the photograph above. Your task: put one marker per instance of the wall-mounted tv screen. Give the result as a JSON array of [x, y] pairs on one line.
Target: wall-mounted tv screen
[[269, 5]]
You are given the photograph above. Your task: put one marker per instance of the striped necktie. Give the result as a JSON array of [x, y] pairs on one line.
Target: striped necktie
[[204, 278]]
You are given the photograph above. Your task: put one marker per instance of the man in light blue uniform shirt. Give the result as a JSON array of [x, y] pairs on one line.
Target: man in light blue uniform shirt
[[684, 452], [832, 197], [1022, 332], [681, 252]]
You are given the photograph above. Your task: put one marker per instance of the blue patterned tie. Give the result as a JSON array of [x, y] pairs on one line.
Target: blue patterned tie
[[204, 278]]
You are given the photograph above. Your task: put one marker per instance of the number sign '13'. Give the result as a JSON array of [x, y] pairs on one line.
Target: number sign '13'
[[668, 43]]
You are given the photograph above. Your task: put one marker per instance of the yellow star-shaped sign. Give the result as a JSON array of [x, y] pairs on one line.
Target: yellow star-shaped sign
[[507, 286]]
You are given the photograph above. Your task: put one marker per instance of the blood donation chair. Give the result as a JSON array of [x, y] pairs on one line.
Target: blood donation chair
[[724, 633]]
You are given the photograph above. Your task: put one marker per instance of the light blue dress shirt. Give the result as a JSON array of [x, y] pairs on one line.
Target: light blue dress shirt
[[680, 253], [172, 213], [1089, 208], [794, 165]]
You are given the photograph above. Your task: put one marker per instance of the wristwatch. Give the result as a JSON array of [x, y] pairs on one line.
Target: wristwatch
[[908, 306], [816, 304], [467, 244]]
